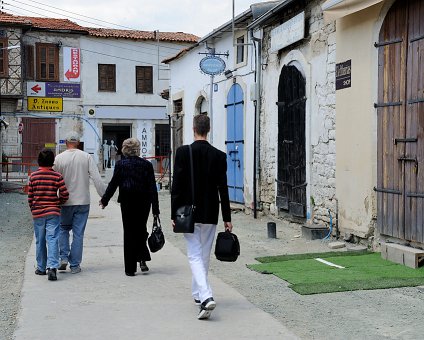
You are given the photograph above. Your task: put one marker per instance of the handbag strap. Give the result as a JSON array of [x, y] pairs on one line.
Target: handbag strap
[[191, 175]]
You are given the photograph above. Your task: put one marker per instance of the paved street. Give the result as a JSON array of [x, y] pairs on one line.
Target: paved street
[[102, 303]]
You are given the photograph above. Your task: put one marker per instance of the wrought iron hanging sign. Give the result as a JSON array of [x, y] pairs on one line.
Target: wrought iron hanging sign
[[212, 65]]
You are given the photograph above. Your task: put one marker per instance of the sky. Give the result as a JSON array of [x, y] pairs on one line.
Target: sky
[[198, 17]]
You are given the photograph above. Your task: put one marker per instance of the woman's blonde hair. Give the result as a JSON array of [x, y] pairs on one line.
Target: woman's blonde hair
[[131, 147]]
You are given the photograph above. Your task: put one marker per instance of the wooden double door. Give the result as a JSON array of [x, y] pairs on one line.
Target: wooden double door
[[291, 172], [400, 110]]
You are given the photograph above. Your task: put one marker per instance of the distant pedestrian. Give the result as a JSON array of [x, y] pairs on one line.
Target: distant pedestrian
[[46, 193], [135, 178], [210, 186], [77, 167]]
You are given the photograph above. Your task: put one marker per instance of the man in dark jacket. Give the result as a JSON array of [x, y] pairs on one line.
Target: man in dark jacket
[[210, 186]]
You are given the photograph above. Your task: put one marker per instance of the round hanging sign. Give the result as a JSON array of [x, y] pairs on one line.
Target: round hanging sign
[[212, 65]]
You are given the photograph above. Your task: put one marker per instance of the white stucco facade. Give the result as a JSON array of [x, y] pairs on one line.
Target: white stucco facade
[[124, 108], [190, 84]]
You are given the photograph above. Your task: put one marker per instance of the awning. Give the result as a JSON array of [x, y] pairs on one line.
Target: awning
[[334, 9]]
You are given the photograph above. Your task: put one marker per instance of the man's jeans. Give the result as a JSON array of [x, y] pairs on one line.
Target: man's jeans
[[46, 230], [199, 246], [73, 217]]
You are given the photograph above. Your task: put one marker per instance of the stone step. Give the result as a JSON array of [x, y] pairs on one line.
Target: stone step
[[408, 256], [314, 232]]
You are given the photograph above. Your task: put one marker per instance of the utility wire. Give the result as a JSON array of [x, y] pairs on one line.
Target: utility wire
[[27, 10], [105, 54], [67, 16], [103, 43], [81, 15]]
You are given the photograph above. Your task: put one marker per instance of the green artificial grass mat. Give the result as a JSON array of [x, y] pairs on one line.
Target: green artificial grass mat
[[363, 271]]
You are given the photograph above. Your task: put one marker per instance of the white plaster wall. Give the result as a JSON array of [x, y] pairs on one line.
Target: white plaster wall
[[187, 81], [126, 54], [315, 59], [357, 120]]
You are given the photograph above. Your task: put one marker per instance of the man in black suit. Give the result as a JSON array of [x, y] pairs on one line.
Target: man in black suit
[[210, 186]]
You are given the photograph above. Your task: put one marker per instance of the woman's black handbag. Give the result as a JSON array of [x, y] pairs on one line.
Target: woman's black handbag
[[227, 246], [157, 239], [184, 216]]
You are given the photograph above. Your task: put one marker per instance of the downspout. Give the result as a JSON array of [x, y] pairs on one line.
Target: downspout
[[256, 134]]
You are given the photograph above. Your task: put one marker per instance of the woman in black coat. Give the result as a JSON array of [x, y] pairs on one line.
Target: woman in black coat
[[137, 193]]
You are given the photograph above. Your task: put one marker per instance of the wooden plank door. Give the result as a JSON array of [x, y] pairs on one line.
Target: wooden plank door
[[291, 173], [400, 121], [414, 168], [37, 132]]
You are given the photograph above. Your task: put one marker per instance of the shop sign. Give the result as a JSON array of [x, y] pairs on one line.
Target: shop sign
[[288, 33], [212, 65], [65, 90], [71, 64], [343, 75], [45, 104]]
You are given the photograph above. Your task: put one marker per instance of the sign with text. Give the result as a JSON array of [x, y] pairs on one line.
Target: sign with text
[[43, 89], [65, 90], [212, 65], [71, 64], [36, 89], [45, 104], [343, 75], [288, 33]]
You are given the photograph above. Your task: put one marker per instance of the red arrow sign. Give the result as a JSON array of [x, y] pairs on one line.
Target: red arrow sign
[[71, 75], [36, 88]]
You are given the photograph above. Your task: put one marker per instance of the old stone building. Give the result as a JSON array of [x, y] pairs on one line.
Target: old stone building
[[297, 122]]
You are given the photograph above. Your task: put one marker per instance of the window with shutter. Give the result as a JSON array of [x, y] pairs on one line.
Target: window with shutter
[[47, 56], [3, 58], [144, 79], [29, 62], [107, 77]]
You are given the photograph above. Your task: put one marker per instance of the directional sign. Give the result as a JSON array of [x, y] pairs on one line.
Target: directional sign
[[36, 89], [45, 104], [71, 64]]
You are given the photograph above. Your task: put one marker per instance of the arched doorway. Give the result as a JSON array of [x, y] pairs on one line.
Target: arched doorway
[[235, 143], [291, 172], [400, 122]]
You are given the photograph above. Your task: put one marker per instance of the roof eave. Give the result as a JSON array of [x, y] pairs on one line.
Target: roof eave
[[224, 27], [268, 16]]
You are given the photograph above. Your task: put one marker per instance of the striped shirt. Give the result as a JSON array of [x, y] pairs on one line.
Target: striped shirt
[[47, 191]]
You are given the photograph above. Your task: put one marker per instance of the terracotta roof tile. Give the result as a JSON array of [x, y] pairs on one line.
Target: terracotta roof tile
[[142, 35], [42, 23], [67, 25], [6, 18], [55, 24]]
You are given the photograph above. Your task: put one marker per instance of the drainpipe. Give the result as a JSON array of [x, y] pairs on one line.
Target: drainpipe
[[256, 134]]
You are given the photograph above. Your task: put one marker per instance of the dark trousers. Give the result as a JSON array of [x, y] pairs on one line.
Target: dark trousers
[[134, 220]]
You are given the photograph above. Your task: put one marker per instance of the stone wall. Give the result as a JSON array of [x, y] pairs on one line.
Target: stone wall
[[318, 51]]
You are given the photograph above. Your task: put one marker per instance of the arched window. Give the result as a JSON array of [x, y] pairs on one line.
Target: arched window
[[201, 106]]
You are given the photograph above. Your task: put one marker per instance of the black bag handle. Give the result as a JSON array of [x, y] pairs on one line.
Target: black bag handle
[[191, 175], [156, 221]]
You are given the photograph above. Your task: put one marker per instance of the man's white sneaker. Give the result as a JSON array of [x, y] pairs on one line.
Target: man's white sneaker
[[206, 308]]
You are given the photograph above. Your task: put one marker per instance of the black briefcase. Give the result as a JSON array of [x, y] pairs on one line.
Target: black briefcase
[[227, 246]]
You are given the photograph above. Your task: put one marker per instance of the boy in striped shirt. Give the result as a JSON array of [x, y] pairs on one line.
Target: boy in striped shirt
[[47, 191]]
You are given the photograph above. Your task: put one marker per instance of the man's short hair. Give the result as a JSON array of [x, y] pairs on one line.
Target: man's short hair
[[46, 157], [201, 124], [72, 137]]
